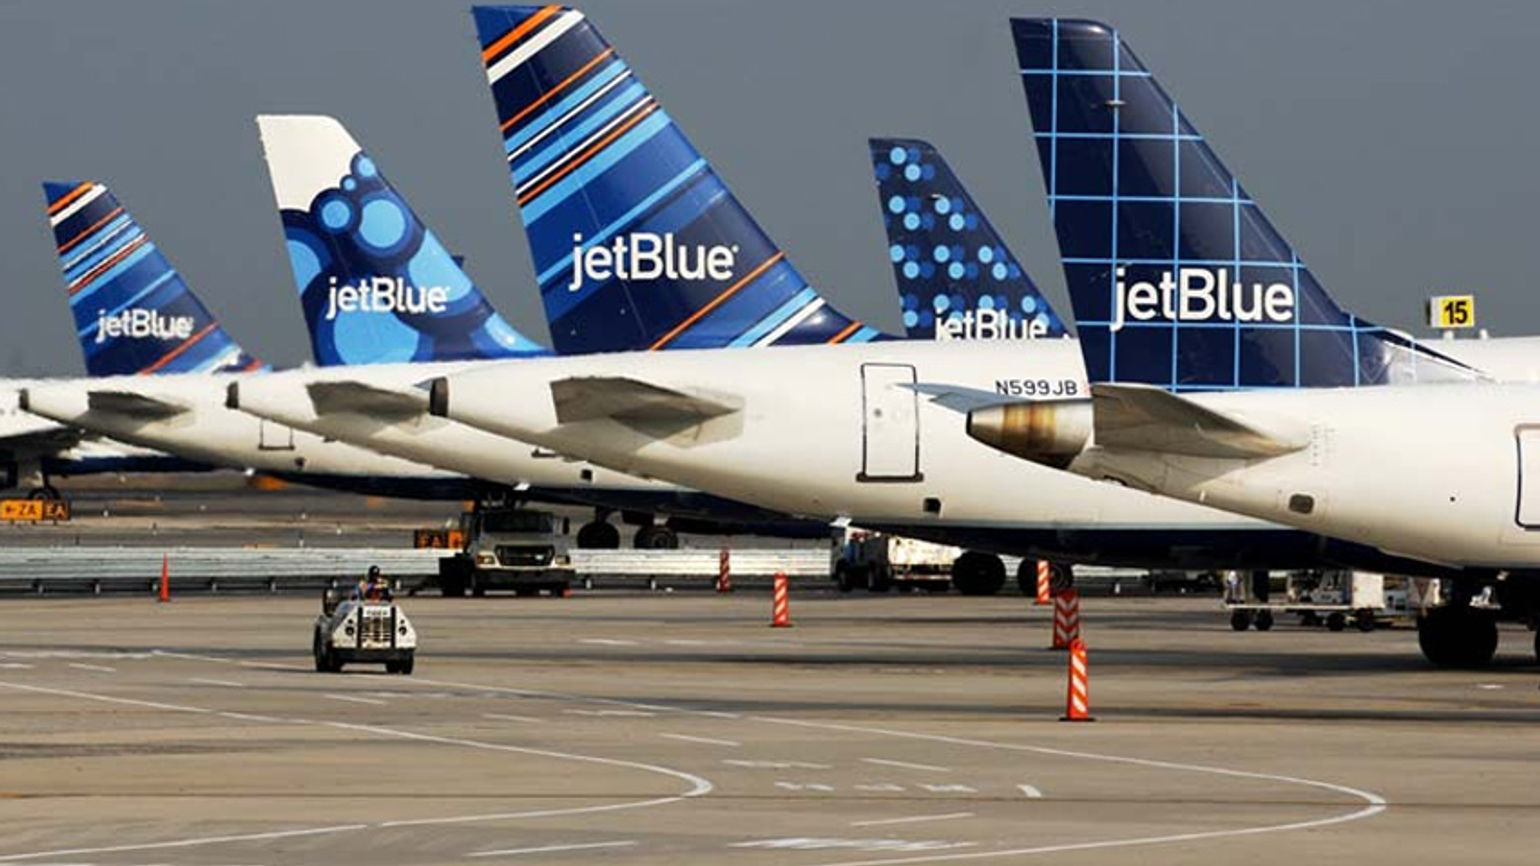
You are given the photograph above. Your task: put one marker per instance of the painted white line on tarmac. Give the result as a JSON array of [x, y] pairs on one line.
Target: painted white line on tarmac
[[709, 741], [251, 717], [16, 666], [607, 641], [907, 766], [699, 786], [208, 682], [1374, 803], [913, 819], [356, 700], [189, 843], [508, 718], [552, 849], [98, 668]]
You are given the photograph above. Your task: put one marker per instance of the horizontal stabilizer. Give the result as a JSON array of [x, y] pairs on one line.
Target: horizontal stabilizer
[[635, 403], [133, 404], [1147, 418], [366, 399], [959, 398]]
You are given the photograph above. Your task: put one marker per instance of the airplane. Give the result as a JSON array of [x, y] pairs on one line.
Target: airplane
[[307, 158], [135, 315], [314, 165], [35, 450], [1222, 372], [833, 431]]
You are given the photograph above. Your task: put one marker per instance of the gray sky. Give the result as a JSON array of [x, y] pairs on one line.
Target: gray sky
[[1391, 142]]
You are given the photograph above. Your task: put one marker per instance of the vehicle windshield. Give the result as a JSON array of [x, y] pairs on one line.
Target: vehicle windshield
[[534, 522]]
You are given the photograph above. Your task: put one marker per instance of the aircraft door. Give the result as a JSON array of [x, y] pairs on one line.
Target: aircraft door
[[1527, 514], [890, 424], [274, 437]]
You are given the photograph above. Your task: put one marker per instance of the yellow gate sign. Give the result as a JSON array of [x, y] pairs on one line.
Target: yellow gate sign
[[1452, 311], [34, 510]]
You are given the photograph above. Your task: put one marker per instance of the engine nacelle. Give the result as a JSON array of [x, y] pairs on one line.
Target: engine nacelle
[[1051, 433]]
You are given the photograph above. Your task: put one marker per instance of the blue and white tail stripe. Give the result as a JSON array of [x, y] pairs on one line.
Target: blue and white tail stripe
[[133, 312], [1176, 276], [637, 242], [956, 277], [376, 285]]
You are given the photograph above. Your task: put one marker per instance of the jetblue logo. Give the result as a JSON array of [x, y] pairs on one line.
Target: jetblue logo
[[1200, 295], [385, 295], [139, 324], [989, 325], [648, 256]]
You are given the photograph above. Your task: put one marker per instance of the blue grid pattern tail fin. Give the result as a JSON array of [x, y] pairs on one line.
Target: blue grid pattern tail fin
[[1176, 277], [376, 285], [956, 278], [133, 312], [637, 243]]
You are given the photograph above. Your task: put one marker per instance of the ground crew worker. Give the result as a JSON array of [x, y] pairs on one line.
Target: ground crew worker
[[375, 587]]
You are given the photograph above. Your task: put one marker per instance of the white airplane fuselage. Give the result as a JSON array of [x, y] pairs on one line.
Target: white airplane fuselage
[[1442, 473]]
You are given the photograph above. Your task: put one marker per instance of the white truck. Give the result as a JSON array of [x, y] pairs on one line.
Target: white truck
[[1331, 598], [507, 547], [356, 631], [880, 562]]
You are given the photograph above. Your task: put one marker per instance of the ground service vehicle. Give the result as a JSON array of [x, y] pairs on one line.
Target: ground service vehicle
[[507, 547], [879, 562], [352, 631]]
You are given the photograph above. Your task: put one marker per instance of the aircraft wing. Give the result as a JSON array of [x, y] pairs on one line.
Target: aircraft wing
[[640, 405], [365, 398], [133, 403], [45, 437], [1147, 418]]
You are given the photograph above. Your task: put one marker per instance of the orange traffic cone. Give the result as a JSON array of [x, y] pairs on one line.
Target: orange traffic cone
[[780, 602], [165, 577], [1077, 707], [724, 570]]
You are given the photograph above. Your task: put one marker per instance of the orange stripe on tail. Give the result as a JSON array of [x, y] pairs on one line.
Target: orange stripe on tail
[[73, 194], [518, 32], [94, 226], [586, 155], [716, 302], [565, 82], [842, 336], [177, 352]]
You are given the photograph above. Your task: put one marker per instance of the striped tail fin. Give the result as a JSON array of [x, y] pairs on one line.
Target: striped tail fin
[[956, 277], [1176, 276], [376, 285], [134, 314], [637, 242]]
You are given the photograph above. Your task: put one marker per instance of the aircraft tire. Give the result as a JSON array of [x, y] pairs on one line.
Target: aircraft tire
[[978, 573]]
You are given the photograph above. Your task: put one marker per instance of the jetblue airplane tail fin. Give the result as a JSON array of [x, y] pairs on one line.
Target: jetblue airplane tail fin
[[637, 242], [956, 277], [376, 285], [133, 312], [1176, 277]]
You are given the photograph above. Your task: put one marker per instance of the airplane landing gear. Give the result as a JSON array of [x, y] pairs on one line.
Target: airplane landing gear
[[655, 537], [978, 573], [1458, 636], [598, 534]]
